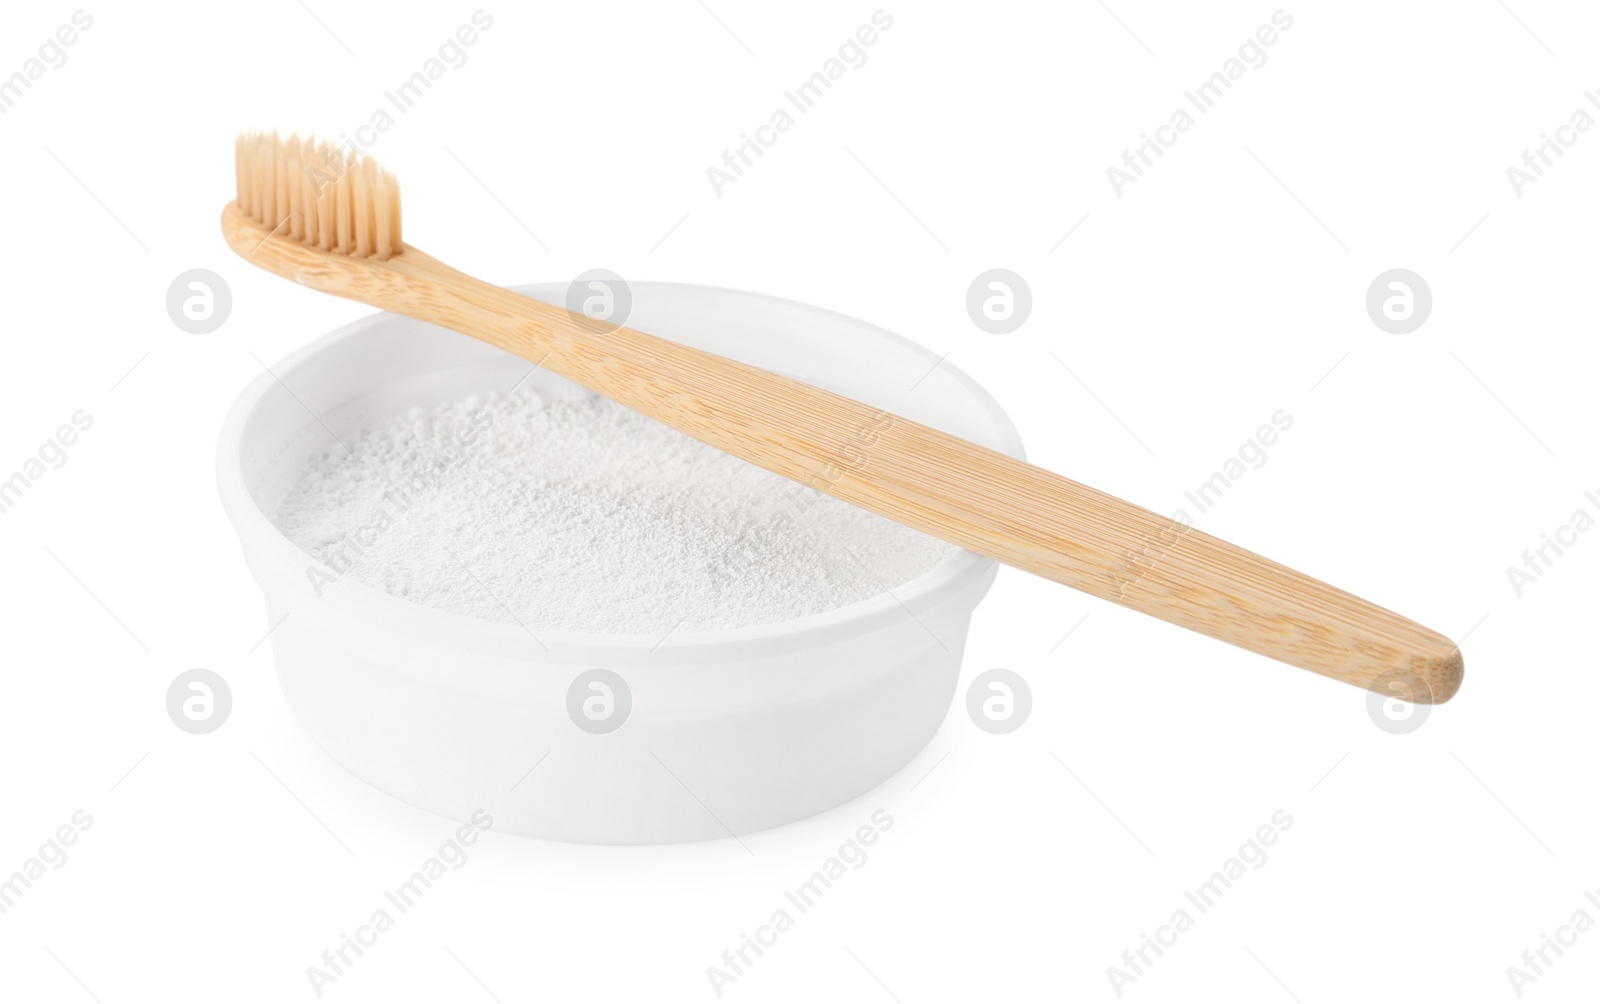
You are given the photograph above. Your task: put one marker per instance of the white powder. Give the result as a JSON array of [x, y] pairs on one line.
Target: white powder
[[558, 508]]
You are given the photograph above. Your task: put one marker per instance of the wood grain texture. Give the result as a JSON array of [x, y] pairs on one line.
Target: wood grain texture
[[969, 495]]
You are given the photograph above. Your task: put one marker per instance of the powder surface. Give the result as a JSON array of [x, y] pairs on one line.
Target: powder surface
[[553, 507]]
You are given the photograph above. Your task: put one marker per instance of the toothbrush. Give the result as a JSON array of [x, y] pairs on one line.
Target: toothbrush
[[331, 221]]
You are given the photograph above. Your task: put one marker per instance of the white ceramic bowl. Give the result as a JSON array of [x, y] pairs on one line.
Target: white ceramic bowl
[[729, 732]]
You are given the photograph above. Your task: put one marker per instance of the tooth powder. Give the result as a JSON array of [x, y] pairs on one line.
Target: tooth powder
[[553, 507]]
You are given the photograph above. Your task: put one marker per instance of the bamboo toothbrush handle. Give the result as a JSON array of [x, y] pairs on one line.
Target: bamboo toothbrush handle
[[967, 494]]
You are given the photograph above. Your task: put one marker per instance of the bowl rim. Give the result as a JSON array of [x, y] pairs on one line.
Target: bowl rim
[[263, 541]]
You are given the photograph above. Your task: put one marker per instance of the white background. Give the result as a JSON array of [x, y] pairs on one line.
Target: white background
[[1226, 284]]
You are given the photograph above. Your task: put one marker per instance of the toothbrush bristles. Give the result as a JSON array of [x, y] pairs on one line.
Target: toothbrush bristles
[[319, 195]]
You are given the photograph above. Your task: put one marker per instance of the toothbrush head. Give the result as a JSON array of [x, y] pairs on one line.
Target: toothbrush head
[[319, 195]]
